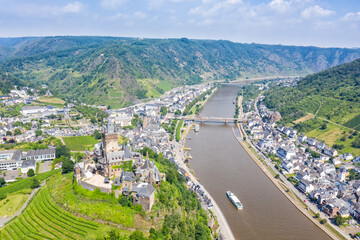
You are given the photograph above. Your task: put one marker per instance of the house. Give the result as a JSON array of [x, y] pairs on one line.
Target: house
[[336, 161], [10, 160], [285, 153], [27, 165], [311, 141], [342, 174], [144, 194], [347, 156], [302, 138], [330, 152], [305, 186], [41, 155], [288, 166]]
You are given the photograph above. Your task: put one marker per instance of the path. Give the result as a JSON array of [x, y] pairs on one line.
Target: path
[[4, 220], [317, 111], [225, 229]]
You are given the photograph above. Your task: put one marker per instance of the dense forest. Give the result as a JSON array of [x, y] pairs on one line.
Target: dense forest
[[119, 71]]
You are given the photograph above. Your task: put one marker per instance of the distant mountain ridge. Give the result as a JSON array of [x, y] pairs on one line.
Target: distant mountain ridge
[[117, 71]]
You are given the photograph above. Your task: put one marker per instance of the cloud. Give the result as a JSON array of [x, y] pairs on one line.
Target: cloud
[[112, 3], [280, 5], [351, 16], [316, 11], [212, 8], [74, 7]]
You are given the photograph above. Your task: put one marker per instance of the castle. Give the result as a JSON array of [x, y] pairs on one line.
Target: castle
[[111, 166]]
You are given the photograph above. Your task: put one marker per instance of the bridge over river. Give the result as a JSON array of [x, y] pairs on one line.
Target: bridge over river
[[199, 119]]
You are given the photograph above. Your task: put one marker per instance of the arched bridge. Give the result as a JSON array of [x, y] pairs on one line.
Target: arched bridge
[[199, 119]]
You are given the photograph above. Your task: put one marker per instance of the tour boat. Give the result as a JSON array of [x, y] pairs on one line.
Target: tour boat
[[234, 200]]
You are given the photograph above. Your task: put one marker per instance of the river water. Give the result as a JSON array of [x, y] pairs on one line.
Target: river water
[[222, 164]]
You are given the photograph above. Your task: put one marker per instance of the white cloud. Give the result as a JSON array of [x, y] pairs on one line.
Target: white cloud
[[73, 7], [212, 8], [112, 3], [316, 11], [280, 5], [351, 17]]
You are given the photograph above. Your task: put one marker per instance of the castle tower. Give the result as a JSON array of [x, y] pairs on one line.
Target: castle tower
[[110, 138]]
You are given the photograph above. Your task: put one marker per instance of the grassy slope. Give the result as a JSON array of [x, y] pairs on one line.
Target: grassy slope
[[334, 95], [79, 143], [43, 219], [13, 203]]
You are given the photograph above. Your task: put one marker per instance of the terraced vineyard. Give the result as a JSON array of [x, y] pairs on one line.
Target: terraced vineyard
[[43, 219]]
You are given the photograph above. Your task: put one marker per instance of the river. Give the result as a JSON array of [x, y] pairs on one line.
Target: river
[[222, 164]]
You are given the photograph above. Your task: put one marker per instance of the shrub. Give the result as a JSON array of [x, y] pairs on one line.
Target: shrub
[[30, 173]]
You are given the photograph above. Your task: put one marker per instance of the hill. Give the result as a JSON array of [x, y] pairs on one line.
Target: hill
[[330, 100], [118, 71]]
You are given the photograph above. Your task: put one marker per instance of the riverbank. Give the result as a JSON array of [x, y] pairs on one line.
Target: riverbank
[[281, 188], [225, 229]]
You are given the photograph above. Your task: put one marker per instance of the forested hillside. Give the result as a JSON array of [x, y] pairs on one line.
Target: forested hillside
[[118, 71], [337, 89], [325, 105]]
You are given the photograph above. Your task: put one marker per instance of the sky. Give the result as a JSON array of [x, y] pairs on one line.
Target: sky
[[323, 23]]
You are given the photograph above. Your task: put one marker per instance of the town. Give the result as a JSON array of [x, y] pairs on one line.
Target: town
[[326, 179], [109, 165]]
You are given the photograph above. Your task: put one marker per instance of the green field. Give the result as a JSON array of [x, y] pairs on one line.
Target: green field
[[79, 143], [25, 183], [43, 219], [354, 123], [13, 203], [76, 199], [333, 135]]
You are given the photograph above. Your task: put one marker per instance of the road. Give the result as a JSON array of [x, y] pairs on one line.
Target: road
[[4, 220], [180, 156]]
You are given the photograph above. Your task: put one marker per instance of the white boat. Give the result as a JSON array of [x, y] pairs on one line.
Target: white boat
[[234, 200], [197, 128]]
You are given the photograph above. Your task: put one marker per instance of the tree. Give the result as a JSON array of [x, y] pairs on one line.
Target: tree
[[8, 133], [2, 196], [137, 235], [339, 220], [62, 151], [177, 112], [34, 182], [317, 215], [324, 126], [323, 221], [30, 173], [67, 166], [38, 132], [2, 181], [201, 232], [97, 135], [163, 110], [17, 131]]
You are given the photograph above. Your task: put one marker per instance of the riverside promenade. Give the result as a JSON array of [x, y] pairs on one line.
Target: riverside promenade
[[225, 229]]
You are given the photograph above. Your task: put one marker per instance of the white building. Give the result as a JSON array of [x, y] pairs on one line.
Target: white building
[[27, 165], [10, 160], [41, 155]]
